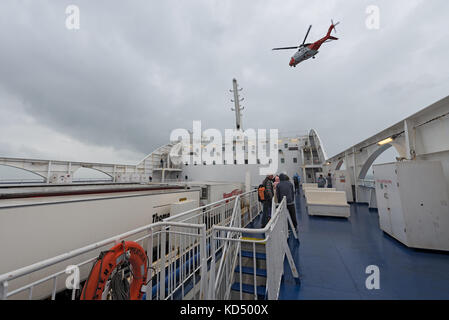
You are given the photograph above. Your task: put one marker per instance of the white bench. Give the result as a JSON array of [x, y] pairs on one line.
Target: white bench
[[309, 185], [320, 189], [331, 203]]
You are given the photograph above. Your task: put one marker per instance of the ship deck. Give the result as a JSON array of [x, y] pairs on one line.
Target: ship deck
[[332, 255]]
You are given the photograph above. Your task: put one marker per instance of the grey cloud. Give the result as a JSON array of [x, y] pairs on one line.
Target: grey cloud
[[136, 70]]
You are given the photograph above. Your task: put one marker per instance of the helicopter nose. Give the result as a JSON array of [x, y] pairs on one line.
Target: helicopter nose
[[292, 62]]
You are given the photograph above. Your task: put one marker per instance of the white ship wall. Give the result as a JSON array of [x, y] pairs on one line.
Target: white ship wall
[[234, 173]]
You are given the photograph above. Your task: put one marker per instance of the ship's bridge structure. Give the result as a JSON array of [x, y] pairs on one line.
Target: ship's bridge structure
[[422, 136]]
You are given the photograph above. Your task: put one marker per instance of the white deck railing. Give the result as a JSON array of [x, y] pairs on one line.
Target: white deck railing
[[275, 248], [178, 250]]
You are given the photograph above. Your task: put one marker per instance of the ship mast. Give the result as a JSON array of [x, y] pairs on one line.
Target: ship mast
[[237, 108]]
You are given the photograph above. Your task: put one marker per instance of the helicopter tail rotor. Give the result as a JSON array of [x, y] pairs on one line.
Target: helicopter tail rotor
[[334, 25]]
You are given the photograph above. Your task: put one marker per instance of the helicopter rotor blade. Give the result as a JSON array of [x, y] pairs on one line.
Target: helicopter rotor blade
[[285, 48], [305, 38]]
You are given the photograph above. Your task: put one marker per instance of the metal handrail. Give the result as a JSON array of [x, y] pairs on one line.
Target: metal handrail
[[74, 253], [7, 277], [255, 231], [225, 200], [276, 248], [152, 229], [233, 223]]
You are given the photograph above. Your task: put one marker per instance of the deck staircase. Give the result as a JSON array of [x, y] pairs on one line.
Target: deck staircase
[[244, 274]]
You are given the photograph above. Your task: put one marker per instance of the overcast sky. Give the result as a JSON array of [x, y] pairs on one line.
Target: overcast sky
[[113, 90]]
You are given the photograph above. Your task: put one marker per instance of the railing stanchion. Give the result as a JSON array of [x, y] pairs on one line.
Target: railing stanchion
[[3, 290], [149, 285], [162, 265], [203, 292]]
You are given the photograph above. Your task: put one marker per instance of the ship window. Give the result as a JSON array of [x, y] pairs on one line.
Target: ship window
[[235, 161], [282, 160], [286, 145], [295, 160], [246, 161], [204, 193]]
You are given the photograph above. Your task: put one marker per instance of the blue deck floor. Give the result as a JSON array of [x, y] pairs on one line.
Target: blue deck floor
[[333, 254]]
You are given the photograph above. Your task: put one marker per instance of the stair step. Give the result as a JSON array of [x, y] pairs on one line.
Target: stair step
[[248, 288], [249, 254], [249, 270]]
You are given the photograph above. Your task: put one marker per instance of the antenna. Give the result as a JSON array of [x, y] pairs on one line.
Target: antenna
[[237, 108]]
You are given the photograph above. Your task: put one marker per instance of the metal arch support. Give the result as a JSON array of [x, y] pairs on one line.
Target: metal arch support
[[371, 160]]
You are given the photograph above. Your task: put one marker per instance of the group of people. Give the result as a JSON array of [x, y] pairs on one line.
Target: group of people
[[278, 187], [322, 181]]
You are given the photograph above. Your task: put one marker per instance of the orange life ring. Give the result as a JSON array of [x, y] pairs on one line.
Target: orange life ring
[[110, 260]]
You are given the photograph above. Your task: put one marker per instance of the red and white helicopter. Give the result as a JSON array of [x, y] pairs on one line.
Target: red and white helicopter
[[309, 50]]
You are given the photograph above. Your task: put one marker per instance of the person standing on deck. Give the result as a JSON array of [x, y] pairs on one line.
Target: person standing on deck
[[275, 183], [268, 195], [321, 181], [285, 189], [296, 182], [329, 180]]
